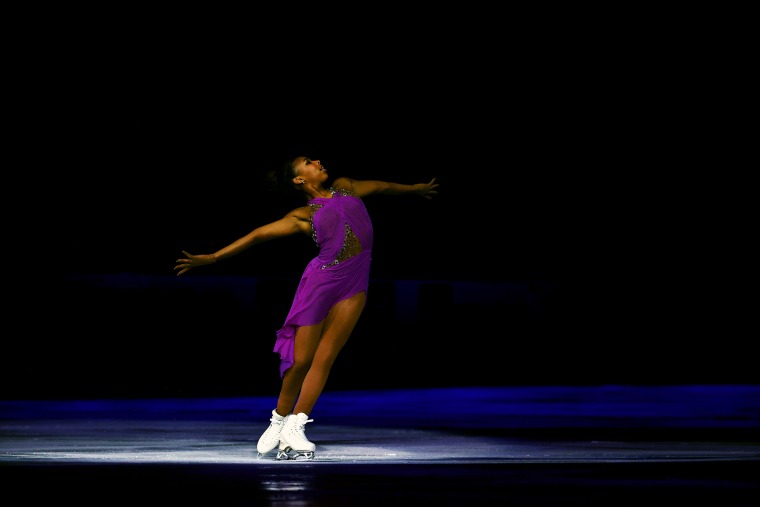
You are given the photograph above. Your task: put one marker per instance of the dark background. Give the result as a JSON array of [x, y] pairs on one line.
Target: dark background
[[568, 165]]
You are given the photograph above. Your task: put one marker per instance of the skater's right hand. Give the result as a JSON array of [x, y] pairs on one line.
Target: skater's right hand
[[193, 261]]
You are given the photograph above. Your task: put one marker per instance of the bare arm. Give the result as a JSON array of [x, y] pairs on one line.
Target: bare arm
[[369, 187], [294, 222]]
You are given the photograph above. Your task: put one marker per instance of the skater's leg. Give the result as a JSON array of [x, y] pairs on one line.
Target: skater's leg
[[307, 339], [337, 328], [316, 349]]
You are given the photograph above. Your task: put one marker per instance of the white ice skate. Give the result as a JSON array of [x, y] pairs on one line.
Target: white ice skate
[[293, 441], [271, 437]]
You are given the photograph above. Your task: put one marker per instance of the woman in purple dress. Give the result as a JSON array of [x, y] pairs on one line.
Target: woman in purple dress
[[330, 296]]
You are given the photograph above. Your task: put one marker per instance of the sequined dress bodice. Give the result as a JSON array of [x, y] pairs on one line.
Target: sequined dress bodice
[[341, 227]]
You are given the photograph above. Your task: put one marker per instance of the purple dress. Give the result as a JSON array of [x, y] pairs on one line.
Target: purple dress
[[342, 229]]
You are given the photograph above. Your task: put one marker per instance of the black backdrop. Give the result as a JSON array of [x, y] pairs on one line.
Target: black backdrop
[[558, 168]]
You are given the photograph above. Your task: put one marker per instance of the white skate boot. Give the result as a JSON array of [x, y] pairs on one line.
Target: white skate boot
[[271, 437], [293, 441]]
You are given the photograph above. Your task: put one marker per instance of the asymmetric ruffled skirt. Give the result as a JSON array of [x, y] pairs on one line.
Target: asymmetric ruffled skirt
[[317, 292]]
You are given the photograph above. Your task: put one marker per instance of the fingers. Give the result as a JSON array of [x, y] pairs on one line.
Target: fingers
[[184, 265]]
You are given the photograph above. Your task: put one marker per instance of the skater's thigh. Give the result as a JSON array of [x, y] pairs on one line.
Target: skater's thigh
[[307, 341], [340, 322]]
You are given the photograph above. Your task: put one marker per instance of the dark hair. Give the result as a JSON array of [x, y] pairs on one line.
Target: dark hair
[[280, 180]]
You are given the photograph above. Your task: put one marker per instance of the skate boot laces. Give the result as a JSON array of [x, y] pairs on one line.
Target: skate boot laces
[[293, 441], [301, 420], [297, 430], [271, 437]]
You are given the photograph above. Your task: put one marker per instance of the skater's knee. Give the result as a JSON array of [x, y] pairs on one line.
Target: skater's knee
[[324, 360], [299, 369]]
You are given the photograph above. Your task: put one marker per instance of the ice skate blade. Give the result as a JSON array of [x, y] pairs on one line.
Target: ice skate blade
[[302, 455], [290, 454]]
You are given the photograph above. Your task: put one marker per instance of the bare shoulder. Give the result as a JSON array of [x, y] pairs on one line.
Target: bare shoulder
[[299, 219], [343, 182], [302, 213], [359, 188]]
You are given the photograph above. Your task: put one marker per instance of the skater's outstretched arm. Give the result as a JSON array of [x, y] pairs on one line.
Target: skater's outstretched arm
[[368, 187], [294, 222]]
